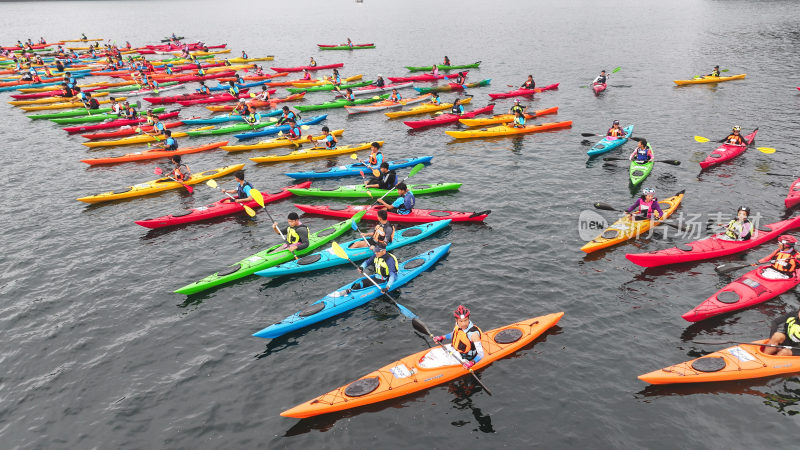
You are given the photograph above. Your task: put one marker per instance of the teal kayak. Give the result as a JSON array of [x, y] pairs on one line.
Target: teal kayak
[[639, 171], [607, 144], [96, 117], [359, 191], [267, 258], [341, 103], [328, 87], [429, 68]]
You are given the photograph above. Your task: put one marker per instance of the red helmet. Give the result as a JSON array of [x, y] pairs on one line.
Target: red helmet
[[786, 239], [461, 312]]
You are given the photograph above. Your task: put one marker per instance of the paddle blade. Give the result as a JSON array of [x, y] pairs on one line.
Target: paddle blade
[[354, 156], [158, 171], [767, 150], [616, 69], [359, 215], [605, 206], [673, 162], [589, 134], [305, 127], [257, 196], [377, 173], [416, 170], [338, 250], [419, 326], [701, 139], [728, 268], [212, 183], [406, 312], [189, 188], [249, 211], [354, 226]]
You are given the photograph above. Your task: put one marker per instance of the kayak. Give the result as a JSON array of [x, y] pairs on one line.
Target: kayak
[[94, 117], [308, 68], [424, 369], [341, 103], [277, 142], [161, 184], [135, 89], [239, 59], [750, 289], [313, 152], [345, 47], [453, 87], [448, 118], [623, 229], [415, 216], [328, 87], [793, 197], [267, 131], [213, 131], [128, 130], [609, 143], [258, 103], [599, 87], [506, 118], [326, 258], [443, 67], [639, 171], [360, 191], [154, 153], [117, 123], [229, 118], [324, 81], [523, 92], [223, 207], [138, 139], [386, 104], [266, 259], [372, 89], [357, 168], [726, 152], [352, 295], [423, 77], [424, 109], [265, 76], [63, 105], [219, 98], [46, 99], [740, 362], [77, 112], [503, 130], [706, 80]]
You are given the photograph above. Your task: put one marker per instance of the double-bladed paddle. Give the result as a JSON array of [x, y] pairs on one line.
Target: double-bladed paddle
[[673, 162], [607, 207], [250, 212], [159, 171]]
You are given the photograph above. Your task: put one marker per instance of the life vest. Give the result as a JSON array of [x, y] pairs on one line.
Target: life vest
[[715, 73], [402, 209], [295, 131], [642, 154], [240, 189], [463, 344], [292, 237], [516, 108], [734, 230], [179, 173], [330, 141], [204, 90], [132, 113], [519, 121], [457, 109], [614, 132], [234, 91], [528, 84], [307, 76], [351, 97], [373, 158], [382, 266], [793, 329], [171, 143], [785, 262], [646, 208], [734, 139]]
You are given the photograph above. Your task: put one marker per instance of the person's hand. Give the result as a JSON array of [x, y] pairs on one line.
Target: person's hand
[[469, 364], [275, 225], [438, 339], [384, 290]]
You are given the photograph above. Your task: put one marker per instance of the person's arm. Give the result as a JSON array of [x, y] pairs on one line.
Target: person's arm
[[475, 338], [635, 205], [392, 278], [632, 155], [303, 238], [767, 258], [657, 209], [367, 262]]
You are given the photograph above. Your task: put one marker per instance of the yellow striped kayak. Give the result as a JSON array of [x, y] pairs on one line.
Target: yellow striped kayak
[[326, 80], [45, 100], [706, 80], [425, 108], [277, 142], [247, 60], [65, 105], [308, 153]]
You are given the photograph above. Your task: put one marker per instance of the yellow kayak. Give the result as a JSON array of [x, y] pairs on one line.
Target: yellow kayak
[[202, 53], [247, 60], [233, 67], [326, 80], [308, 153], [424, 108], [64, 105], [277, 142], [505, 118], [161, 184], [623, 229], [45, 100], [503, 130], [140, 139], [706, 80]]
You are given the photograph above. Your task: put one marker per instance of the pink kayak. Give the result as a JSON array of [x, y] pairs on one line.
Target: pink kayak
[[712, 246], [308, 68], [416, 216], [221, 98], [751, 289], [424, 77], [176, 98], [219, 208], [117, 123], [599, 87], [727, 152], [449, 118], [523, 92], [366, 90], [128, 131], [793, 198]]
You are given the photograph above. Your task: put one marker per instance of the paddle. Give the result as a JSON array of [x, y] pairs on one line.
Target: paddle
[[365, 183], [274, 224], [703, 76], [607, 207], [673, 162], [766, 150], [730, 267], [212, 183], [746, 343], [615, 70], [159, 171], [419, 326], [413, 172], [780, 174], [375, 172]]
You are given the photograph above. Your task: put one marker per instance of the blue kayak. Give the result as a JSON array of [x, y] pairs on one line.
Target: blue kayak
[[224, 87], [326, 258], [357, 168], [351, 295], [229, 118], [606, 145]]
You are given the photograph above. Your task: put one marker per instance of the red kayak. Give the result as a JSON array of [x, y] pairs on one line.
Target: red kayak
[[712, 246], [128, 131], [176, 98], [727, 152], [219, 208], [308, 68], [751, 289], [153, 153], [221, 98], [424, 77], [193, 78], [159, 69], [54, 93], [449, 118], [117, 123], [416, 216], [793, 198], [522, 92], [599, 87]]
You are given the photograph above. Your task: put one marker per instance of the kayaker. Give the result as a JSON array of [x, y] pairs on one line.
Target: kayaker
[[435, 70], [462, 78], [91, 102], [735, 137], [259, 71], [446, 61], [386, 180], [296, 234], [336, 80], [328, 139], [180, 171], [264, 94], [200, 71], [233, 89], [170, 143], [642, 153], [404, 203], [519, 120], [66, 91], [203, 89], [312, 63], [714, 73], [529, 83], [457, 107], [349, 43], [435, 100], [244, 55], [615, 130], [646, 206], [466, 338], [294, 131], [83, 37], [130, 111], [379, 82], [239, 79], [601, 79], [785, 260], [306, 75], [242, 191], [375, 158], [395, 97], [783, 328], [158, 127], [247, 112], [382, 235], [151, 118], [116, 108], [287, 115], [386, 265], [517, 108], [349, 96], [740, 228]]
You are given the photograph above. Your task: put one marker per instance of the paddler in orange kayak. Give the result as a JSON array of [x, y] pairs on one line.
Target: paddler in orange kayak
[[328, 139], [395, 97], [783, 328], [242, 191], [785, 260], [435, 100], [466, 338], [646, 207], [714, 73], [306, 75], [170, 143], [519, 120], [264, 94]]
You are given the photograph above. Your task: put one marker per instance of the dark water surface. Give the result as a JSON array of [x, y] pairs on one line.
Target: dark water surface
[[98, 353]]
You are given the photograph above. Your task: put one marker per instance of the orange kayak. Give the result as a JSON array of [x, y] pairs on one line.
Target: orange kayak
[[154, 153], [423, 370], [740, 362]]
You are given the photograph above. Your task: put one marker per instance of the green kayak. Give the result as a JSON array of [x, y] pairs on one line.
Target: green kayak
[[231, 128], [429, 68], [135, 87], [359, 191], [95, 117], [452, 87], [639, 171], [69, 113], [328, 87], [268, 258], [341, 103], [345, 47]]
